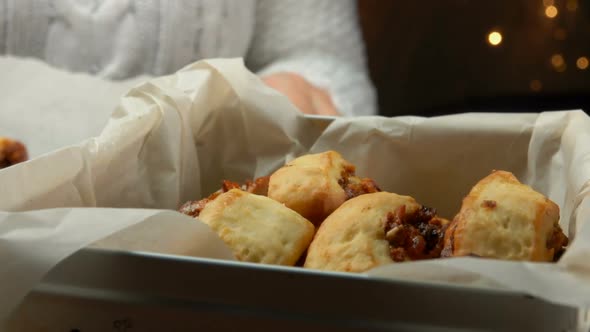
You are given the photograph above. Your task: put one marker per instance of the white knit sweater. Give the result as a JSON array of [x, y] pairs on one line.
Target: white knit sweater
[[116, 39]]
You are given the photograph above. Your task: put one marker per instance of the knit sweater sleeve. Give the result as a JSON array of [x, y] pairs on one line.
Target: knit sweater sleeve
[[319, 40]]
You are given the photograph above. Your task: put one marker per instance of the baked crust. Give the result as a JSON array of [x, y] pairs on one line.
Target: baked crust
[[505, 219], [257, 228], [357, 236], [257, 186], [315, 185]]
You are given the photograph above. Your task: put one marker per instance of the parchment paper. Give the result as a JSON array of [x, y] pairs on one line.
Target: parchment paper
[[48, 108], [175, 138]]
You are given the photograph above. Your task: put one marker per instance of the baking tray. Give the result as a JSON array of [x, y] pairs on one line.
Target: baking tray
[[103, 290]]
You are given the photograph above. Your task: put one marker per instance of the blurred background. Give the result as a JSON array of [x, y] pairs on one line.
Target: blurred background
[[430, 57]]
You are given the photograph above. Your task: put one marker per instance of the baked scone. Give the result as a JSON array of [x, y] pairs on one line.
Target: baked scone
[[505, 219], [11, 152], [257, 228], [257, 186], [314, 185], [376, 229]]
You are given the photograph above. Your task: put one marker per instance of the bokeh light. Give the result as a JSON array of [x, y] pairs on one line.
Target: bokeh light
[[551, 11], [582, 63], [558, 62], [494, 38]]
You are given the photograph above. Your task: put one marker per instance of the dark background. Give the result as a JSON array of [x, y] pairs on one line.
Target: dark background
[[429, 57]]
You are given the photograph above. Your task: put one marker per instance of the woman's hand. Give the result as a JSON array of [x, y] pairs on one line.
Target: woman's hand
[[308, 98]]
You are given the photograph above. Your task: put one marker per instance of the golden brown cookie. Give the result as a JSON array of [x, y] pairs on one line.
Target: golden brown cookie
[[505, 219], [257, 228], [376, 229], [314, 185]]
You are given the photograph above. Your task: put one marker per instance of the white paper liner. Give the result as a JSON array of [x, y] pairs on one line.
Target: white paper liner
[[175, 138]]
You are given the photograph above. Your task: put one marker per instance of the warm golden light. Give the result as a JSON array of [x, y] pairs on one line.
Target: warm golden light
[[572, 5], [548, 3], [582, 63], [551, 11], [536, 85], [494, 38], [557, 60]]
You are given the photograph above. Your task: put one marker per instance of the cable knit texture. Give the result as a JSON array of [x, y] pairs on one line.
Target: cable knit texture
[[116, 39]]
